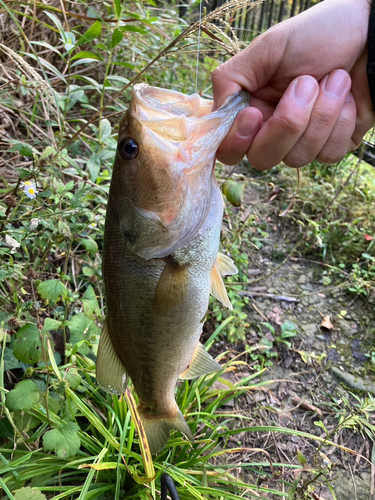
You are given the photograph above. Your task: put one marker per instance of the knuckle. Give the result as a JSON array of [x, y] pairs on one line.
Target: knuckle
[[324, 117], [296, 160], [292, 124], [330, 155], [260, 163]]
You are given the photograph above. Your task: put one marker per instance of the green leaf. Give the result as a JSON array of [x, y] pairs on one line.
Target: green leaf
[[69, 40], [27, 346], [46, 64], [116, 38], [10, 362], [82, 328], [93, 165], [73, 378], [64, 442], [4, 316], [289, 326], [23, 396], [69, 411], [6, 429], [124, 64], [133, 29], [52, 290], [90, 302], [51, 324], [48, 152], [85, 54], [269, 326], [368, 256], [117, 4], [25, 421], [29, 494], [22, 148], [75, 95], [93, 32], [86, 60], [105, 130], [56, 20], [90, 244]]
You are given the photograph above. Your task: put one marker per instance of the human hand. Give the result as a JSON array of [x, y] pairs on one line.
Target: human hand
[[310, 95]]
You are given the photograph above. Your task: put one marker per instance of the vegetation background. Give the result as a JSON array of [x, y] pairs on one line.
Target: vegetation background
[[66, 69]]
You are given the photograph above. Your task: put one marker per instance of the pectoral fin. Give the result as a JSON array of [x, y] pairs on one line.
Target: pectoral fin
[[172, 287], [201, 364], [226, 265], [218, 288], [110, 370]]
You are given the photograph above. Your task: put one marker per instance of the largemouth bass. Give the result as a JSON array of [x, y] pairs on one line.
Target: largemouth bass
[[161, 259]]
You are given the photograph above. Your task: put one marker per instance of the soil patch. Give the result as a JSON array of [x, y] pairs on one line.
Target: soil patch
[[318, 376]]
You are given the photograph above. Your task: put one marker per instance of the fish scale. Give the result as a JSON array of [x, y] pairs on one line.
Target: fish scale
[[155, 305]]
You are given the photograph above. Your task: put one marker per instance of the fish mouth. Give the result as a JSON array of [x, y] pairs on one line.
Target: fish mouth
[[168, 113], [184, 124]]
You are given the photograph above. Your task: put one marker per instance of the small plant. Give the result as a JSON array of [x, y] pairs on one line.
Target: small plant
[[356, 415], [287, 330]]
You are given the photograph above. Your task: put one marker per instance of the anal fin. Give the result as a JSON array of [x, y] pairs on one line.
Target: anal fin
[[158, 429], [201, 364], [110, 370], [218, 288]]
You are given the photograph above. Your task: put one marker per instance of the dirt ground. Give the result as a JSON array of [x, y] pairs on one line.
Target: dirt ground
[[313, 377]]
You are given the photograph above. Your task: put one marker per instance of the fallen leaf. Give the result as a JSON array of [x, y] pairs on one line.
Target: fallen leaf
[[274, 193], [304, 405], [326, 323], [275, 315]]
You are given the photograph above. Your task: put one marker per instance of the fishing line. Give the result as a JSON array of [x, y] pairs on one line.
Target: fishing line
[[199, 47]]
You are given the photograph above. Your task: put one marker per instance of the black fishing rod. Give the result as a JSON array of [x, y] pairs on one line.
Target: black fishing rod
[[168, 486]]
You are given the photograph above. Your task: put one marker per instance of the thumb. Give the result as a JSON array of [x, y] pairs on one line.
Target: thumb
[[251, 69], [222, 85]]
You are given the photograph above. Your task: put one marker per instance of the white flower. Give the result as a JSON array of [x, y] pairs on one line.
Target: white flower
[[29, 189], [12, 243], [34, 223]]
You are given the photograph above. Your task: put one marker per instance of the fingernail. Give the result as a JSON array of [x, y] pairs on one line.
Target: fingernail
[[336, 83], [305, 89], [246, 127]]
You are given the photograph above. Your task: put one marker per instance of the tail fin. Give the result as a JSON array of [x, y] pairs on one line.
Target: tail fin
[[157, 429]]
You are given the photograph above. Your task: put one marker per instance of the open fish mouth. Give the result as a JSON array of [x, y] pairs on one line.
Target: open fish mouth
[[185, 122]]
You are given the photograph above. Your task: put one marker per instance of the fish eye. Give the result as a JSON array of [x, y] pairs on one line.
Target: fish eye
[[128, 148]]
